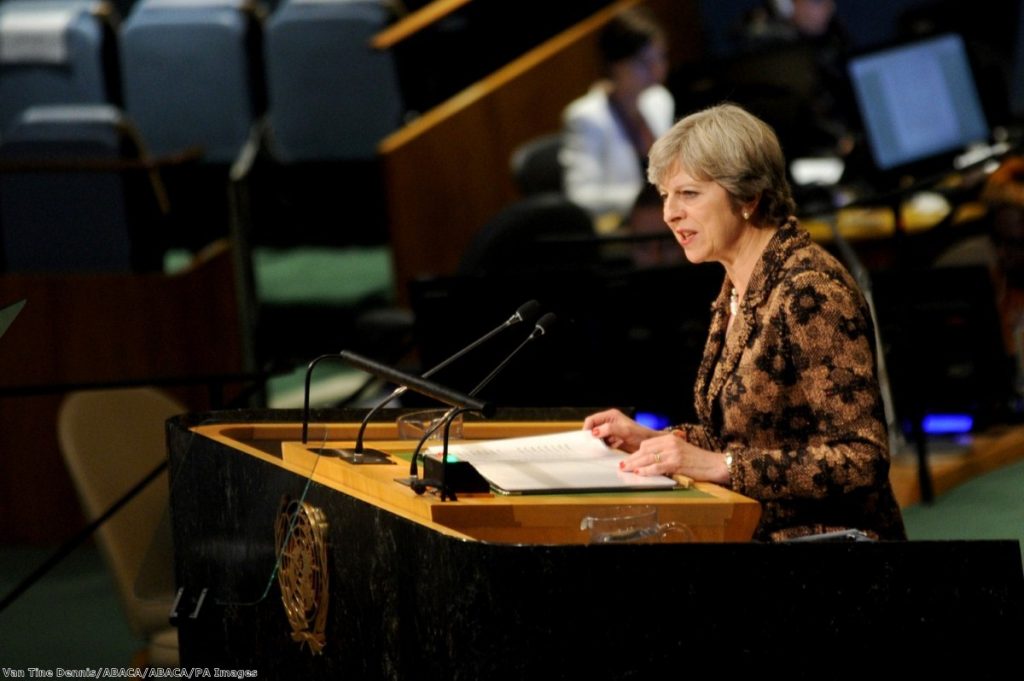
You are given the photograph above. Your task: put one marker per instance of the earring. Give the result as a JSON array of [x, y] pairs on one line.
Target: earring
[[746, 215]]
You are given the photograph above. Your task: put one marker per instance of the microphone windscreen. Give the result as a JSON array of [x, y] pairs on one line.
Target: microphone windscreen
[[528, 311], [545, 323]]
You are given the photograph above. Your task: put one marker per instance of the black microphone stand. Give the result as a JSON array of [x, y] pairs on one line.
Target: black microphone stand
[[525, 312], [420, 486], [305, 401], [408, 381]]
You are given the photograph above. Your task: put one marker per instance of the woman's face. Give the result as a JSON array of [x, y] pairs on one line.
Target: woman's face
[[703, 217], [648, 67], [812, 17]]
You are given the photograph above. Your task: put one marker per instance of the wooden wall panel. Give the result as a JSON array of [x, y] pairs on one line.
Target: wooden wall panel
[[447, 172], [103, 328]]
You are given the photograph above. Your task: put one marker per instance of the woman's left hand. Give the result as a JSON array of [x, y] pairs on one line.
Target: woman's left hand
[[671, 454]]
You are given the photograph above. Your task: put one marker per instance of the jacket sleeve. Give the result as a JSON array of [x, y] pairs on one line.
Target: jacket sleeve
[[696, 435], [816, 365]]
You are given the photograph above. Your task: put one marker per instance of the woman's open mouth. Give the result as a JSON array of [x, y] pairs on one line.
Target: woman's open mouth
[[685, 236]]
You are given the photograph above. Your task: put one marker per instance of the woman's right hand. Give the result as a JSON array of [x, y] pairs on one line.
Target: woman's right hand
[[617, 430]]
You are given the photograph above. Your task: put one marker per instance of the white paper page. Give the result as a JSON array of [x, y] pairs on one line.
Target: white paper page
[[594, 474], [569, 446], [573, 460]]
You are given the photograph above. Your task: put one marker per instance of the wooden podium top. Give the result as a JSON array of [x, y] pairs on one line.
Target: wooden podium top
[[712, 513]]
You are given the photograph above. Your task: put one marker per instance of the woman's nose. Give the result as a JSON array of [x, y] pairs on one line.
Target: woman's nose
[[670, 211]]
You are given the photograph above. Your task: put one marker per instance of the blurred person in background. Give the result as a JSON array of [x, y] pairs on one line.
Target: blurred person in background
[[610, 129]]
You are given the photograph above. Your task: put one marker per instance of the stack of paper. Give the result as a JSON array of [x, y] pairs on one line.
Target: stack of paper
[[573, 461]]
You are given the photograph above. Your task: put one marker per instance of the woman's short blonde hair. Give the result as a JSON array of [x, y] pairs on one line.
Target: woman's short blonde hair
[[733, 148]]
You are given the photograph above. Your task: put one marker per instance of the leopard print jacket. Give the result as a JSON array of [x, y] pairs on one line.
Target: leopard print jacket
[[791, 392]]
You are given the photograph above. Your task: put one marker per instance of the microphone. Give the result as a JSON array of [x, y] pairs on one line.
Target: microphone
[[543, 326], [525, 312], [421, 385]]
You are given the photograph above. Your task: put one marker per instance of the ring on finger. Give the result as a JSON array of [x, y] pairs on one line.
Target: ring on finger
[[657, 457]]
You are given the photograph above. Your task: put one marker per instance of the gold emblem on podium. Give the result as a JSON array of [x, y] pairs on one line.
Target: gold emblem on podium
[[301, 534]]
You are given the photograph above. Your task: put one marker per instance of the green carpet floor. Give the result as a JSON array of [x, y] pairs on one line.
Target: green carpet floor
[[990, 506], [334, 278]]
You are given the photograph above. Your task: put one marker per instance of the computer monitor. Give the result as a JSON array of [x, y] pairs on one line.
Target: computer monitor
[[919, 103], [1017, 70]]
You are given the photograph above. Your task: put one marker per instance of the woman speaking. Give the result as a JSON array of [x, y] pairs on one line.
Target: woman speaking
[[787, 395]]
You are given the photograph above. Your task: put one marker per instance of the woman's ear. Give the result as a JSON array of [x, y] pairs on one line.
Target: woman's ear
[[749, 208]]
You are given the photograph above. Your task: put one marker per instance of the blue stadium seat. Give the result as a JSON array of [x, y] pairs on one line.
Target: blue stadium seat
[[193, 79], [77, 195], [193, 74], [56, 52], [331, 95], [315, 178]]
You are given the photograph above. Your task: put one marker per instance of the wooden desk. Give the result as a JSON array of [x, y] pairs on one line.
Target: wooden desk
[[447, 171], [866, 223], [406, 587], [710, 511]]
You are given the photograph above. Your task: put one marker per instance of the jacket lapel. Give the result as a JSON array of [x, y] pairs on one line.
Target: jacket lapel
[[722, 353], [712, 349]]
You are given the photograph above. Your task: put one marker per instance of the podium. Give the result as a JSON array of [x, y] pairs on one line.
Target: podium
[[373, 581]]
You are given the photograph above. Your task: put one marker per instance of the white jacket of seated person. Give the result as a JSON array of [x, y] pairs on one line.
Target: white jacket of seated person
[[602, 171]]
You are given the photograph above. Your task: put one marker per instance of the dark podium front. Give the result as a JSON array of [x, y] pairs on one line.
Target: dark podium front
[[295, 566]]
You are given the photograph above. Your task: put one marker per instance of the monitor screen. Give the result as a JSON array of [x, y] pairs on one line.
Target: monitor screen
[[918, 101], [1017, 70]]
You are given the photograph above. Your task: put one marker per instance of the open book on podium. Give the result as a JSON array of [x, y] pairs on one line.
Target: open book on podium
[[573, 461]]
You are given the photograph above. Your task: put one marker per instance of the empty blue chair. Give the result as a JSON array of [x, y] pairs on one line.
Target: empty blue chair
[[331, 95], [76, 193], [193, 79], [332, 98], [193, 74], [56, 52]]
